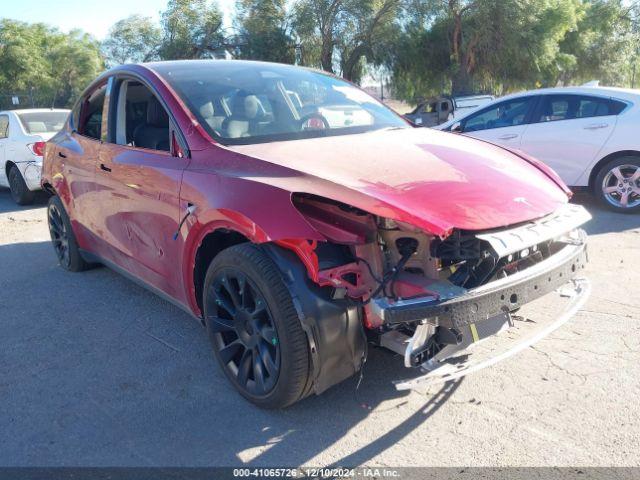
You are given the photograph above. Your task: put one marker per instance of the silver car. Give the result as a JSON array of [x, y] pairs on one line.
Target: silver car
[[23, 134]]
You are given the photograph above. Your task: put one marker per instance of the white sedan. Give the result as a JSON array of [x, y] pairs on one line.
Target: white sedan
[[588, 135], [23, 134]]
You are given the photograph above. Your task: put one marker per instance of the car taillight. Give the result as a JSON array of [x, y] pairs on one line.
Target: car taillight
[[37, 148]]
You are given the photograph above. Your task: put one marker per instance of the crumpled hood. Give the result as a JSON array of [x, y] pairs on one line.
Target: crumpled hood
[[434, 180]]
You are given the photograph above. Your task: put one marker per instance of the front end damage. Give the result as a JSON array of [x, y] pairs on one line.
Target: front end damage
[[428, 298]]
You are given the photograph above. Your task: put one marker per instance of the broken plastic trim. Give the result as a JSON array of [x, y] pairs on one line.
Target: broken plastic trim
[[578, 290]]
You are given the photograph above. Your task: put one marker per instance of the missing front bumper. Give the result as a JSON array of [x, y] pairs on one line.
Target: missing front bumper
[[494, 298], [501, 346]]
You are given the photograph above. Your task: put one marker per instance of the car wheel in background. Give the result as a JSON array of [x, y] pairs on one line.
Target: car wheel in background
[[617, 185], [19, 190], [62, 237], [254, 328]]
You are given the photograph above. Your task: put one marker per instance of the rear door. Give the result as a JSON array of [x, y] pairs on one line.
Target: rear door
[[568, 131], [139, 180], [4, 134], [503, 123], [76, 152]]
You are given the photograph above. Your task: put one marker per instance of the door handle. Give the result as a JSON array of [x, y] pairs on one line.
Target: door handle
[[596, 126], [104, 168], [62, 155], [508, 136]]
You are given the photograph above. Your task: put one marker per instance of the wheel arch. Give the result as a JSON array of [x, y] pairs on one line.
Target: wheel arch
[[212, 241], [603, 161]]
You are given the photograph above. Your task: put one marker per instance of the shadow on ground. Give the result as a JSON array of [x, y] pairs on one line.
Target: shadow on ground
[[7, 204], [604, 220], [95, 370]]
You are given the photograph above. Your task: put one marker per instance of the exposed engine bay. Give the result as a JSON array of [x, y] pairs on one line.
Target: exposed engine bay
[[424, 296]]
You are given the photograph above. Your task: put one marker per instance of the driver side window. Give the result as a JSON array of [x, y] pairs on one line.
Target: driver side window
[[504, 114], [141, 120]]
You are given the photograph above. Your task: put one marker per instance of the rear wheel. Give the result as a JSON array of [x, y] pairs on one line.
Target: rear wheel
[[19, 190], [62, 237], [618, 185], [254, 328]]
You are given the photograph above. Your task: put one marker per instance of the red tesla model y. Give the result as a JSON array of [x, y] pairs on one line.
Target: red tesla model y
[[302, 221]]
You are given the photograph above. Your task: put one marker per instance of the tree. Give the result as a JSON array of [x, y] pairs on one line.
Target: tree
[[482, 45], [262, 25], [600, 47], [40, 62], [357, 30], [73, 61], [369, 28], [191, 29], [132, 40], [318, 24]]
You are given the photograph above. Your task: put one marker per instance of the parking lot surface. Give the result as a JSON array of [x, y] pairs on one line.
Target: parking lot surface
[[96, 371]]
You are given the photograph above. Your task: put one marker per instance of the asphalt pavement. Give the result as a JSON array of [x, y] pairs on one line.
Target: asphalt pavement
[[97, 371]]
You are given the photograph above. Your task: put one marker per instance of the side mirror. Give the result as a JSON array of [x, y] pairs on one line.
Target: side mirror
[[456, 127]]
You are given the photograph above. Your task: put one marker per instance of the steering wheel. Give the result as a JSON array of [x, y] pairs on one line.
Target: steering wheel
[[313, 121]]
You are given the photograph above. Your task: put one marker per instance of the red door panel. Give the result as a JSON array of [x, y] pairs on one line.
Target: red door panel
[[139, 195]]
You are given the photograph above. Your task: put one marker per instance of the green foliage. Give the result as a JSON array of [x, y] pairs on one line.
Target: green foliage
[[41, 62], [504, 45], [132, 40], [262, 25], [349, 33], [601, 46], [426, 46], [191, 29]]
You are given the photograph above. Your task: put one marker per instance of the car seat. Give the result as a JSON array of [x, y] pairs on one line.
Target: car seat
[[154, 133]]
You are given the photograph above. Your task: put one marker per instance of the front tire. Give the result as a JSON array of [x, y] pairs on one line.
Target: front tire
[[63, 238], [254, 328], [617, 185], [19, 190]]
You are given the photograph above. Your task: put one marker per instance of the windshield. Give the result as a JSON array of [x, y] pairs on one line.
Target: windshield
[[43, 122], [252, 102]]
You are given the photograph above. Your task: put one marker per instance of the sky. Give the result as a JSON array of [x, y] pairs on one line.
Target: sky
[[92, 16]]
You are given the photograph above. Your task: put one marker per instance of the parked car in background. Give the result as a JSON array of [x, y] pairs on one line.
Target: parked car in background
[[437, 110], [588, 135], [295, 238], [23, 134]]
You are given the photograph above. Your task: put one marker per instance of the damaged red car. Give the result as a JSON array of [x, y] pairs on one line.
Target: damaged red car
[[302, 221]]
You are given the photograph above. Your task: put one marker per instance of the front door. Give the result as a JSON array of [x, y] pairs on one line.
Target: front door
[[503, 123], [140, 180]]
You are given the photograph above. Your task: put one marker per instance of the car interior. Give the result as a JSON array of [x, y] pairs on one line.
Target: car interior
[[238, 113], [505, 114], [141, 119]]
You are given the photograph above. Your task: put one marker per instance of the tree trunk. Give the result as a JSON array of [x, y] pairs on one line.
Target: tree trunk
[[326, 55], [461, 82]]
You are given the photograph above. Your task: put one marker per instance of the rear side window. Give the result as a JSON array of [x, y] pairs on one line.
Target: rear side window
[[568, 107], [91, 114], [4, 126]]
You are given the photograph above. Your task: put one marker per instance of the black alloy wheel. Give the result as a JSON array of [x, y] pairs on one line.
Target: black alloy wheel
[[254, 328], [59, 236], [63, 239], [244, 332]]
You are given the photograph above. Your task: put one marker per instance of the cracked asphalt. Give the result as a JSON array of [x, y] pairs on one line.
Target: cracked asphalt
[[96, 371]]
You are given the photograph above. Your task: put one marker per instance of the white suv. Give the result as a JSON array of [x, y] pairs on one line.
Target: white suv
[[589, 135], [23, 134]]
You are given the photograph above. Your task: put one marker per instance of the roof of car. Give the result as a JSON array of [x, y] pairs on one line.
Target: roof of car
[[36, 110], [623, 93]]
